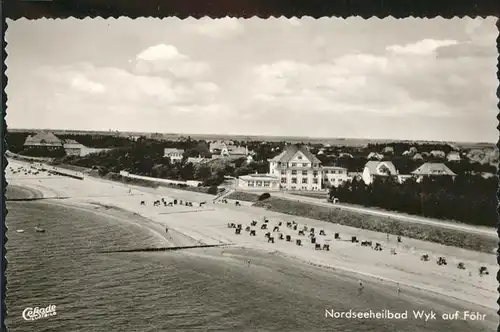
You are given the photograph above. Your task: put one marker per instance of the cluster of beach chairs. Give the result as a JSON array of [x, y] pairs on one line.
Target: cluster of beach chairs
[[311, 234], [225, 201], [304, 233], [483, 270], [24, 170], [179, 202]]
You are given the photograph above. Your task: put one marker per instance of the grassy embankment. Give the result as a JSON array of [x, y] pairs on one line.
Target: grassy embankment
[[312, 195], [429, 233], [243, 196]]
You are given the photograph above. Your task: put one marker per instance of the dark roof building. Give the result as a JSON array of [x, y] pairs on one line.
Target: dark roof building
[[433, 169]]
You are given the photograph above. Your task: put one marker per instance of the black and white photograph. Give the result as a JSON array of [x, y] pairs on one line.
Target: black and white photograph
[[280, 174]]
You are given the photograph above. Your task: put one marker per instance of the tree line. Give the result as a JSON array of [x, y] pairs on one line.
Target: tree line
[[470, 199], [146, 157]]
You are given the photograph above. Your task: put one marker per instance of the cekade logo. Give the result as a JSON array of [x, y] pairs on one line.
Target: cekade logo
[[38, 313]]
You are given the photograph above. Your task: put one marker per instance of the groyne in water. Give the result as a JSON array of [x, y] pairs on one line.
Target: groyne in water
[[33, 199], [66, 174], [163, 249]]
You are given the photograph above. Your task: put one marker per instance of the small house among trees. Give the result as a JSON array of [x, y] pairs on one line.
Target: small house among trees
[[378, 168], [432, 169]]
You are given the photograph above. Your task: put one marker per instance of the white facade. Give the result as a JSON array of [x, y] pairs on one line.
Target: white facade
[[453, 156], [334, 176], [378, 168], [297, 169], [175, 155], [259, 182]]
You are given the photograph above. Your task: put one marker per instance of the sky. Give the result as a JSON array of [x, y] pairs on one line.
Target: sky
[[410, 79]]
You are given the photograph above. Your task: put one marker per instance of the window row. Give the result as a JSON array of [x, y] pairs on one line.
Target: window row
[[304, 180], [304, 173], [259, 183]]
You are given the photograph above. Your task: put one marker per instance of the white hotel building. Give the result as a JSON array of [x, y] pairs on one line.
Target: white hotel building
[[297, 169]]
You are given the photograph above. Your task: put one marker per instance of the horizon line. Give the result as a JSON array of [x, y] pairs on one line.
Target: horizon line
[[254, 135]]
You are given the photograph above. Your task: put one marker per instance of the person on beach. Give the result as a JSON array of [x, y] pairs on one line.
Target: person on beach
[[387, 237], [360, 288], [399, 289], [166, 229], [248, 262]]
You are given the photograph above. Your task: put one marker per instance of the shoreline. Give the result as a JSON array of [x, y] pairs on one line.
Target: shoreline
[[107, 211], [194, 230], [117, 212]]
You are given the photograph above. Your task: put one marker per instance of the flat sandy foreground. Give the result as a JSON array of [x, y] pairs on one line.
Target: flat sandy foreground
[[208, 225]]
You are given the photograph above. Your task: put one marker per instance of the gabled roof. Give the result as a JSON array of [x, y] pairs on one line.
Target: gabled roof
[[48, 138], [292, 150], [375, 155], [219, 145], [388, 149], [433, 169], [376, 167], [195, 160], [417, 156], [333, 167], [173, 150], [437, 153], [238, 150]]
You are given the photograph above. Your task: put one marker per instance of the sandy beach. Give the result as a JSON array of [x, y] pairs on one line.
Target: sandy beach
[[208, 225]]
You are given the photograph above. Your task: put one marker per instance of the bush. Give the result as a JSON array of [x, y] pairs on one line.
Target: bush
[[212, 190], [264, 196]]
